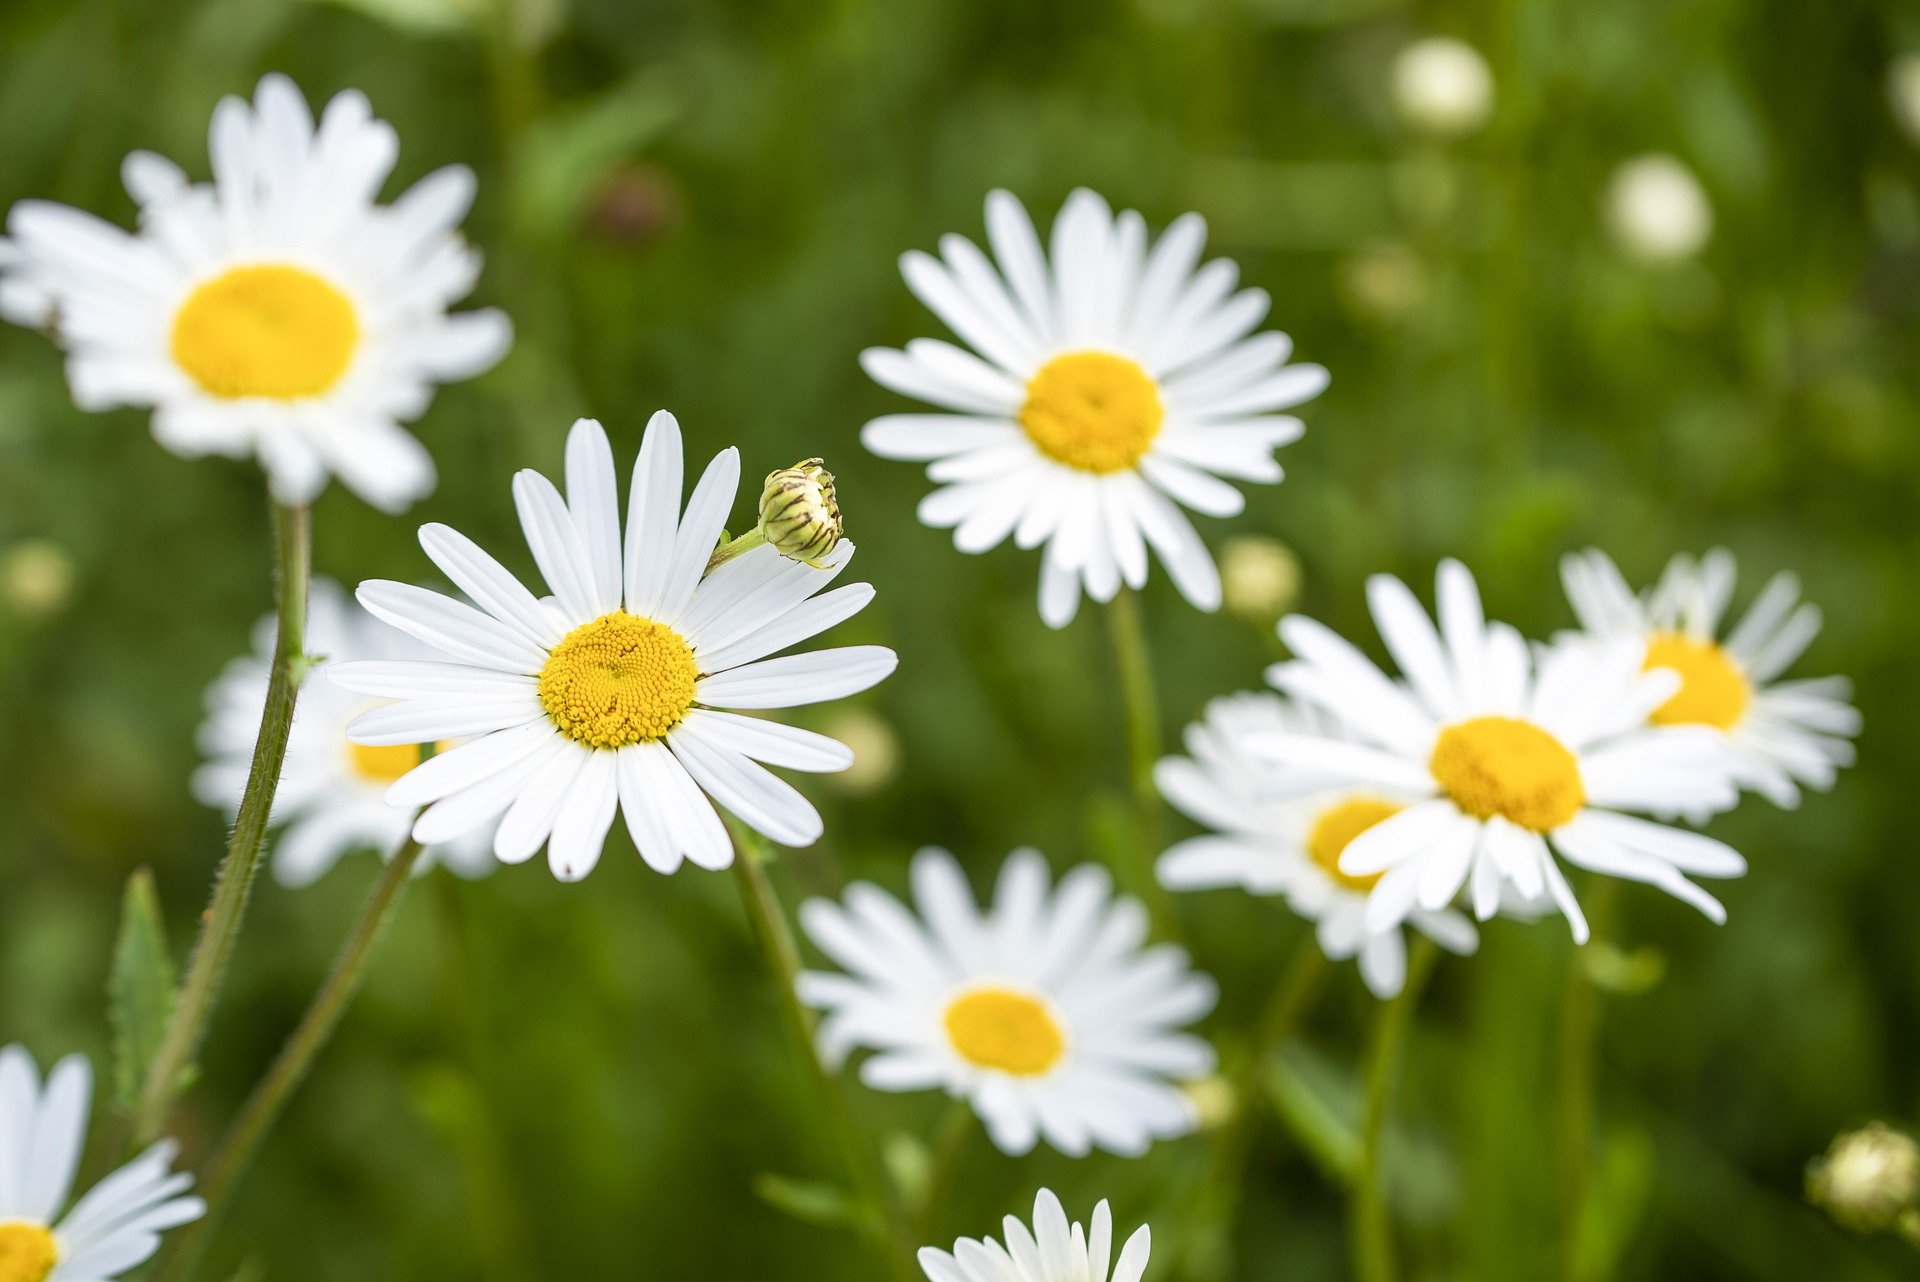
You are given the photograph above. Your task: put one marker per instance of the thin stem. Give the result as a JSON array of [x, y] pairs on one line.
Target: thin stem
[[1142, 701], [193, 1007], [886, 1228], [262, 1109], [1372, 1231], [948, 1148], [734, 547], [1579, 1036]]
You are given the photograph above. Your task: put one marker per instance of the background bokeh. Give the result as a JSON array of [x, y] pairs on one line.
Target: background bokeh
[[698, 204]]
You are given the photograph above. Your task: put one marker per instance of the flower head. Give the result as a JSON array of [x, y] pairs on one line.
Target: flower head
[[113, 1228], [277, 311], [1046, 1011], [621, 692], [1869, 1179], [1115, 381], [1052, 1251], [799, 514]]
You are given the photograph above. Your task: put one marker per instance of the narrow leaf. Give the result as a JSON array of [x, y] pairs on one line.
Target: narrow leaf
[[140, 989]]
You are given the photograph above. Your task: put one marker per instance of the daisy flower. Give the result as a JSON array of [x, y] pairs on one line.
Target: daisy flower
[[1113, 385], [277, 311], [1052, 1251], [1784, 735], [1508, 759], [332, 794], [1047, 1013], [1282, 832], [117, 1225], [620, 691]]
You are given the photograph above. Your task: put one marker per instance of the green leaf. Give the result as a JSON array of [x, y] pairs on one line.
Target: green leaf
[[811, 1201], [140, 989], [565, 156]]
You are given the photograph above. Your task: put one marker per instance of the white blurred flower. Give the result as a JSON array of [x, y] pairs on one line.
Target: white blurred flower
[[1903, 88], [1442, 85], [1657, 210]]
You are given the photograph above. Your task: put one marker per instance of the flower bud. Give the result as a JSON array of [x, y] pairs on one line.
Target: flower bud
[[1657, 209], [1443, 86], [798, 512], [36, 578], [1869, 1178], [1259, 577]]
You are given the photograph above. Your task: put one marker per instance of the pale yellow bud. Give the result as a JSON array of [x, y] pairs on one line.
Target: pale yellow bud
[[36, 578], [1259, 577], [798, 512], [1869, 1178], [1212, 1099], [876, 750]]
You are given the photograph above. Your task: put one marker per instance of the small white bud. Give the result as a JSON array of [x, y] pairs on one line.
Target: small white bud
[[1657, 209], [1442, 85], [1868, 1180]]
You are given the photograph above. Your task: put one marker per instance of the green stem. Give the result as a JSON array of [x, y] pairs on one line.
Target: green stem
[[734, 547], [1579, 1037], [1142, 701], [886, 1227], [290, 1068], [950, 1145], [1372, 1230], [193, 1007]]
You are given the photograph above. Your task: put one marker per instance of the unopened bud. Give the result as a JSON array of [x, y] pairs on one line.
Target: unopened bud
[[798, 512], [1259, 577], [876, 750], [1443, 86], [1869, 1179], [36, 578]]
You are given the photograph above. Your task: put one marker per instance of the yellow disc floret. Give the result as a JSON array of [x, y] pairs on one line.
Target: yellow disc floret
[[1092, 410], [618, 680], [27, 1252], [1334, 830], [384, 763], [1713, 689], [1510, 768], [1006, 1030], [270, 330]]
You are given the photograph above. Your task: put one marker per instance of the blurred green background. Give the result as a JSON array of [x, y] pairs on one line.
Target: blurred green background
[[698, 204]]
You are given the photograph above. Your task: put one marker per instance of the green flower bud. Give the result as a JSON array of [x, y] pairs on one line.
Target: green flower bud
[[798, 512]]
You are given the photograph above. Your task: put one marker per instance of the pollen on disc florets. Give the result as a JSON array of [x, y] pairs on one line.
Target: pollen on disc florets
[[1334, 830], [1006, 1030], [800, 513], [1713, 690], [1094, 411], [28, 1252], [268, 330], [1511, 768], [618, 680]]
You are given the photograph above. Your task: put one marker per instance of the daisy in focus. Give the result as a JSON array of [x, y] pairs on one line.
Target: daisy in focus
[[117, 1225], [1507, 758], [1114, 384], [1046, 1012], [332, 794], [1052, 1251], [1783, 735], [622, 691], [277, 311], [1282, 832]]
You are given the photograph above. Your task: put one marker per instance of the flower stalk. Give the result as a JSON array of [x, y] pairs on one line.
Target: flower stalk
[[1142, 703], [1371, 1227], [167, 1073], [1579, 1038]]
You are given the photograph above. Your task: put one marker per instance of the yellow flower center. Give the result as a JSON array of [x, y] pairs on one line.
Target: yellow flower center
[[1500, 766], [269, 330], [1713, 689], [618, 680], [1092, 410], [27, 1252], [383, 763], [1006, 1030], [1334, 830]]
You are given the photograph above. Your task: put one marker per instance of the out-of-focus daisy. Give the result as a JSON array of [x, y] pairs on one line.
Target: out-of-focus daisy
[[1657, 210], [117, 1225], [1114, 383], [1784, 735], [1510, 759], [615, 692], [1282, 832], [1046, 1012], [1052, 1251], [277, 311], [332, 794]]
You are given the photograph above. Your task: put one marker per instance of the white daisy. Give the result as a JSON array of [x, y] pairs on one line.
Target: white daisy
[[1047, 1013], [608, 695], [117, 1225], [1112, 384], [1282, 832], [276, 311], [332, 794], [1511, 758], [1052, 1251], [1784, 735]]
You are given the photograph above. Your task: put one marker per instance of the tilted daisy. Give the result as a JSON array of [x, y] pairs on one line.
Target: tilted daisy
[[1511, 759], [1052, 1251], [332, 794], [1281, 831], [1115, 382], [1784, 735], [277, 311], [1047, 1012], [117, 1225], [621, 691]]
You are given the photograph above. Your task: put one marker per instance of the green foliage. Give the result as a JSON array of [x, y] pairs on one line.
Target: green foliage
[[140, 987]]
